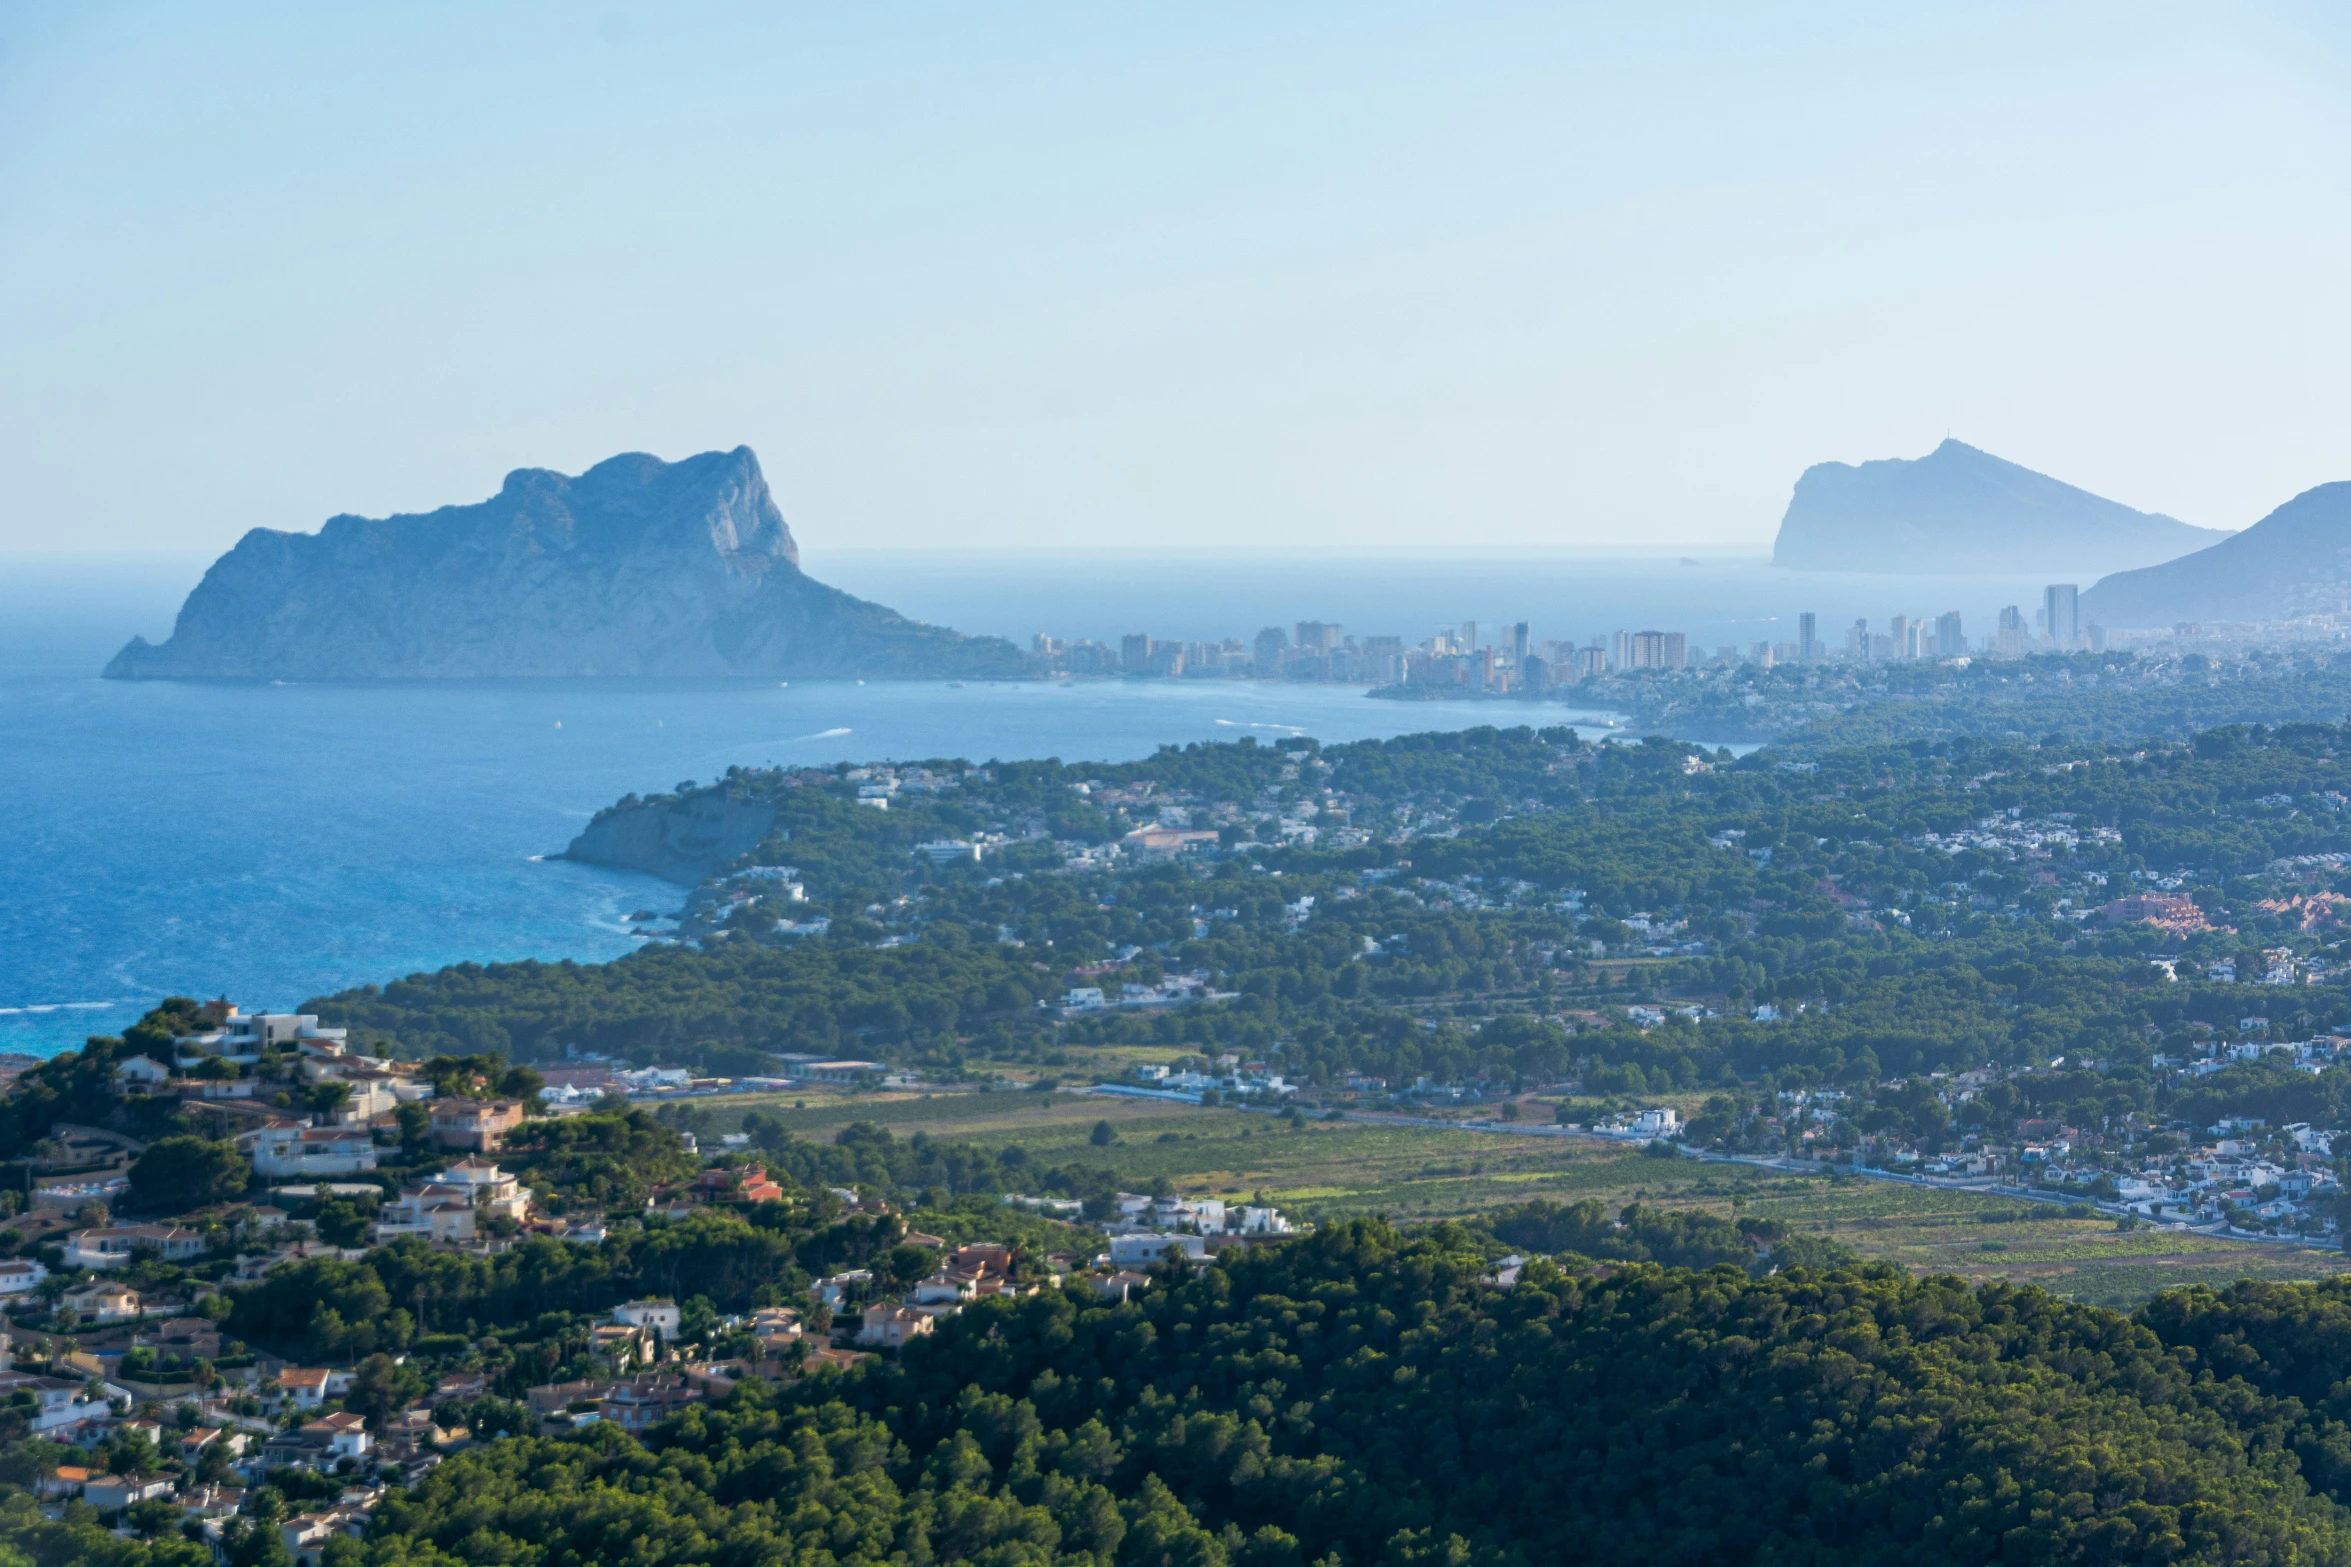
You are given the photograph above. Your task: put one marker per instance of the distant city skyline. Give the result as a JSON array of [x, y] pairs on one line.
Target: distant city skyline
[[1511, 660], [1322, 278]]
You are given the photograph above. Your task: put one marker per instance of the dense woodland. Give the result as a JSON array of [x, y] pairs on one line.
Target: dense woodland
[[1369, 1396]]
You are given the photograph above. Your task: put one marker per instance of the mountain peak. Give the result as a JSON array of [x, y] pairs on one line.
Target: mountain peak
[[2295, 561], [1962, 509]]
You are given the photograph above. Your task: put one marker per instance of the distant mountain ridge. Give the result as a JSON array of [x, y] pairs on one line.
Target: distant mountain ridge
[[2295, 561], [1959, 509], [636, 567]]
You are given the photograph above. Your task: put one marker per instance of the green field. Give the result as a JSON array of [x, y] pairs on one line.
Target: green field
[[1332, 1170], [1990, 1237]]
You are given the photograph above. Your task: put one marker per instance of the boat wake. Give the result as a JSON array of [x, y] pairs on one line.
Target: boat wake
[[738, 751]]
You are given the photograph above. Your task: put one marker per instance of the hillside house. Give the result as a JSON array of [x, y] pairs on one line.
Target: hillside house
[[185, 1337], [140, 1075], [836, 1291], [1142, 1248], [307, 1535], [623, 1345], [777, 1328], [749, 1184], [450, 1205], [102, 1302], [460, 1384], [210, 1501], [236, 1035], [309, 1150], [659, 1316], [204, 1439], [642, 1401], [309, 1387], [887, 1325], [553, 1398], [57, 1401], [951, 1286], [114, 1246], [981, 1257], [414, 1430], [1122, 1284], [371, 1096], [113, 1493], [344, 1434], [477, 1124]]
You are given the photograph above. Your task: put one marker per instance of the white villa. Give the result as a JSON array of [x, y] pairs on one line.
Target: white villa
[[310, 1150], [242, 1037], [448, 1207], [111, 1247], [660, 1315]]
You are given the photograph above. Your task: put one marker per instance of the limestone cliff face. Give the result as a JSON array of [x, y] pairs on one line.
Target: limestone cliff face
[[635, 568], [680, 840]]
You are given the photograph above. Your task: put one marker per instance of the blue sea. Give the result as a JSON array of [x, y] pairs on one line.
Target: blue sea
[[272, 843]]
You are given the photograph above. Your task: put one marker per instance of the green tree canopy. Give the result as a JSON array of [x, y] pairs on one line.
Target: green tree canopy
[[180, 1173]]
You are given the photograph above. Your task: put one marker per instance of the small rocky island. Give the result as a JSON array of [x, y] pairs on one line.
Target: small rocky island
[[637, 567]]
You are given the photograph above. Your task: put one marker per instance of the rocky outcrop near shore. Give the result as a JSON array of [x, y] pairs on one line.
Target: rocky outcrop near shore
[[677, 838]]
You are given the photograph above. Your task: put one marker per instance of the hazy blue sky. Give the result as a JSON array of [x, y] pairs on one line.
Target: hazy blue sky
[[1299, 275]]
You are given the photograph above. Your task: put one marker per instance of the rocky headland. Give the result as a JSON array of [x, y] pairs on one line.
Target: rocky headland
[[637, 567], [681, 838], [1959, 509]]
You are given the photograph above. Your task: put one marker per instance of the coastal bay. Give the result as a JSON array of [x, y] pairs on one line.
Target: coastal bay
[[281, 841]]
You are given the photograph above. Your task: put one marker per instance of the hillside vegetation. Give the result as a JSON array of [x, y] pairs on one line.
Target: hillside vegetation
[[1367, 1398]]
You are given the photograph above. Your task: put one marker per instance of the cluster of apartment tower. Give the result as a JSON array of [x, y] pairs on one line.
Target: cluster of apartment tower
[[1318, 650]]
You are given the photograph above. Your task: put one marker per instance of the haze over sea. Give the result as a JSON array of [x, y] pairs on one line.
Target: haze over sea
[[272, 843]]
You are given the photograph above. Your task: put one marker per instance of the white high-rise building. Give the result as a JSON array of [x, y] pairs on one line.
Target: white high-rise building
[[2061, 615]]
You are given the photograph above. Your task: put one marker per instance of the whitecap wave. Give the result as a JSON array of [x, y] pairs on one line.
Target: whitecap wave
[[42, 1008]]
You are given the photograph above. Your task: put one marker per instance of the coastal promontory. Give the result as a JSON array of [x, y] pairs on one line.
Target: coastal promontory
[[637, 567], [1960, 509]]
